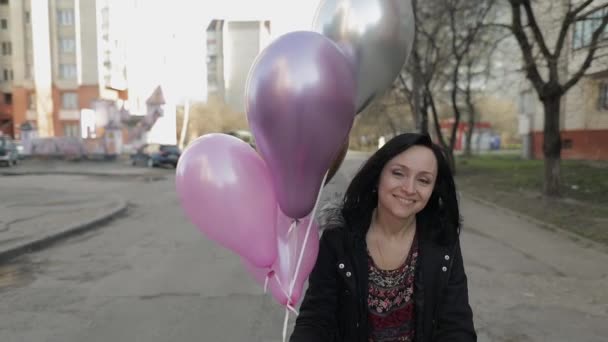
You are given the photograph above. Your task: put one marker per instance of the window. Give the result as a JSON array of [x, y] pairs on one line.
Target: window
[[67, 44], [3, 2], [8, 74], [4, 24], [28, 71], [584, 28], [65, 17], [31, 101], [69, 100], [8, 98], [7, 48], [71, 130], [602, 99], [27, 17], [67, 71]]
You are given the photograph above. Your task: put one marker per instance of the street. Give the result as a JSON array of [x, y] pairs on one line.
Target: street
[[149, 275]]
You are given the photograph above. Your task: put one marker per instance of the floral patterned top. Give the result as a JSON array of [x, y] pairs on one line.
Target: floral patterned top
[[390, 300]]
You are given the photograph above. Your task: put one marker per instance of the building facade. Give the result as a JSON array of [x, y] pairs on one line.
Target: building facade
[[232, 47], [58, 57]]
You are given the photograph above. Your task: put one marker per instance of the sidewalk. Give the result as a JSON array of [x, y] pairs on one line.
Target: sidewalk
[[32, 218], [36, 218], [565, 255], [91, 168], [528, 283]]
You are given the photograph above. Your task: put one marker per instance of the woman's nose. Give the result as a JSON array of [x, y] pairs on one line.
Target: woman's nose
[[409, 185]]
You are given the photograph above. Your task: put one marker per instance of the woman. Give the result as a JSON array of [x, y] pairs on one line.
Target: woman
[[392, 269]]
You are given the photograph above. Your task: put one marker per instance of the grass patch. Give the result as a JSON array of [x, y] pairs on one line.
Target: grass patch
[[516, 184]]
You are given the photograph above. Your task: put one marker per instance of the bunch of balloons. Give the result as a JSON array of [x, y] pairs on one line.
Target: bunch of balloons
[[302, 95]]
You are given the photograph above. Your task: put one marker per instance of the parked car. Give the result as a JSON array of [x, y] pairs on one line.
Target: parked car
[[244, 135], [20, 149], [152, 155], [8, 151]]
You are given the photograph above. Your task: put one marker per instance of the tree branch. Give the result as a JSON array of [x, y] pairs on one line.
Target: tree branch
[[530, 64], [497, 26], [430, 100], [538, 35], [563, 33], [581, 8], [590, 55]]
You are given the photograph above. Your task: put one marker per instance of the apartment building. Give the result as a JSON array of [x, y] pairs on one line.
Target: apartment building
[[6, 71], [232, 47], [58, 56]]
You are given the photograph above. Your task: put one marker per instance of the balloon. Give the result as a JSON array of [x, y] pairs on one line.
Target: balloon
[[376, 35], [335, 165], [281, 274], [225, 189], [301, 106]]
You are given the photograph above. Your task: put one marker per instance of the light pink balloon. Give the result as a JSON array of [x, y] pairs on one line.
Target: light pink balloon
[[281, 274], [225, 189]]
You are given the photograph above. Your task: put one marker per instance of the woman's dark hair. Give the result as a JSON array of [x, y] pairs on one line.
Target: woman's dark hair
[[439, 220]]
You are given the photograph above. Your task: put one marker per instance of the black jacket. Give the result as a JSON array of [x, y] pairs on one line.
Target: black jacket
[[334, 308]]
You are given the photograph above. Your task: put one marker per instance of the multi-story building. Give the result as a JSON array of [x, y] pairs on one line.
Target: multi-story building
[[232, 47], [58, 56], [6, 71], [215, 61]]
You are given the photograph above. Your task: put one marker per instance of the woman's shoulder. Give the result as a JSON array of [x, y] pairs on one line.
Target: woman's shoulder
[[334, 233]]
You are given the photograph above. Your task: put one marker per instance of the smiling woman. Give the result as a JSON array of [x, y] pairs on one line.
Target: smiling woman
[[392, 269]]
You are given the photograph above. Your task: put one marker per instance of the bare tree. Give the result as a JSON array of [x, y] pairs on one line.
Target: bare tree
[[424, 73], [447, 32], [542, 67], [466, 23], [478, 71]]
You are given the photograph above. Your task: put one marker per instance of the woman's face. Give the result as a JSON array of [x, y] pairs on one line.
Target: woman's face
[[407, 182]]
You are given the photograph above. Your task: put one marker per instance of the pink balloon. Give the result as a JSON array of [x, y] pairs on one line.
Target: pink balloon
[[225, 189], [282, 273]]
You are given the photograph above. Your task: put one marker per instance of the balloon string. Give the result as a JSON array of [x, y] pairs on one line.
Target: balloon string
[[285, 323], [282, 288], [293, 226], [301, 256], [266, 283]]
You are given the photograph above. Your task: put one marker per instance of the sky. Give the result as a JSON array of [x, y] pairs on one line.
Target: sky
[[170, 44]]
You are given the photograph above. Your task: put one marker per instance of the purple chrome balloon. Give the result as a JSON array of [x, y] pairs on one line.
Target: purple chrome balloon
[[301, 95]]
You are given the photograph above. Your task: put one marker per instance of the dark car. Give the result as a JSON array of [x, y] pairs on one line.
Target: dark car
[[9, 155], [152, 155]]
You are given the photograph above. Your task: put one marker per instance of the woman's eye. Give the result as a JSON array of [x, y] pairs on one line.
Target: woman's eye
[[425, 181], [397, 173]]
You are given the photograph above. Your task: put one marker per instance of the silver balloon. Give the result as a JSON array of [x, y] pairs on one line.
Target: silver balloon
[[376, 35]]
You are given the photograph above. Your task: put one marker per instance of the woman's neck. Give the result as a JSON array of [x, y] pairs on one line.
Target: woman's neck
[[392, 227]]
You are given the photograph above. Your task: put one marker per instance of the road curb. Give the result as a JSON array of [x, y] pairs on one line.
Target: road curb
[[75, 173], [581, 240], [75, 229]]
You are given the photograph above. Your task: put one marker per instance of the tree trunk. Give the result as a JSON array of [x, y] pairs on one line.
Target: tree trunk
[[424, 116], [552, 147], [470, 128], [449, 153], [456, 110], [472, 114]]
